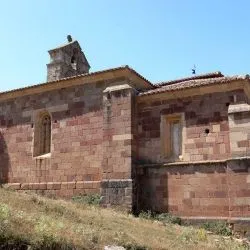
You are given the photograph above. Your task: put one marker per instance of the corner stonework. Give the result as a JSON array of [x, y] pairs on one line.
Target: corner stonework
[[239, 129], [116, 186]]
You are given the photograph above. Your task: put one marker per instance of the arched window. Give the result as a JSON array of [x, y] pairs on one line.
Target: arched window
[[45, 134], [42, 140]]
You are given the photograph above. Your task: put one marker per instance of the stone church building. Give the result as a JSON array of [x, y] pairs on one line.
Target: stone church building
[[180, 146]]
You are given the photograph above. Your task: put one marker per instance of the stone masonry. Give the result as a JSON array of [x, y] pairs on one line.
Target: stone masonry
[[216, 190], [91, 143], [109, 134], [91, 131], [206, 126], [67, 60]]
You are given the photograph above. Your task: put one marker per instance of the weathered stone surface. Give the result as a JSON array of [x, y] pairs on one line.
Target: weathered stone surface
[[65, 61], [116, 183], [117, 192]]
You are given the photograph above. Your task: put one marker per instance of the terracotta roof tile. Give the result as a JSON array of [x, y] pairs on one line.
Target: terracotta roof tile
[[79, 76], [193, 83], [194, 77]]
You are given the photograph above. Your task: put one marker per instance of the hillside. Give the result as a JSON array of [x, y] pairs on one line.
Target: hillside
[[29, 221]]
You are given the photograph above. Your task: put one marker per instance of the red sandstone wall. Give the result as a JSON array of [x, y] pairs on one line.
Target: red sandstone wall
[[79, 139], [76, 152], [209, 111], [117, 129], [117, 146], [200, 190], [215, 188]]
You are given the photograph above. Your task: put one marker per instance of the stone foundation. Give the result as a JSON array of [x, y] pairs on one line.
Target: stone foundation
[[114, 192], [59, 189], [117, 193]]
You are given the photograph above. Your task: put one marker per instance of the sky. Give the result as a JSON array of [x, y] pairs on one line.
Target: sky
[[160, 39]]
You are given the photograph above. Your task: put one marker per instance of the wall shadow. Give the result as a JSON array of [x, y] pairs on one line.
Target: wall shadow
[[4, 161], [157, 184]]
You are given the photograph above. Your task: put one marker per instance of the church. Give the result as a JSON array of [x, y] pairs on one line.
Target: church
[[180, 146]]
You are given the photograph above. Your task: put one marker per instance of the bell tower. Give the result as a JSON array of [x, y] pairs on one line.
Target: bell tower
[[66, 60]]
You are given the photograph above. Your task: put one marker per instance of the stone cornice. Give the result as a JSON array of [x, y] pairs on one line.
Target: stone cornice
[[190, 163]]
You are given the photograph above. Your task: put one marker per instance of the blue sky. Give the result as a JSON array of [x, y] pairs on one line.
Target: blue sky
[[160, 39]]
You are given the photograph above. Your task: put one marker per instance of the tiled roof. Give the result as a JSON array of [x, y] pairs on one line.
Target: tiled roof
[[195, 77], [193, 83], [79, 76]]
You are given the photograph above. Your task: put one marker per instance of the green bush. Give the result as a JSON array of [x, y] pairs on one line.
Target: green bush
[[168, 218], [164, 217], [217, 227], [146, 215], [89, 199]]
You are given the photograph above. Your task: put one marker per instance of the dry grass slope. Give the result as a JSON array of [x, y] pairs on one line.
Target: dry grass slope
[[29, 221]]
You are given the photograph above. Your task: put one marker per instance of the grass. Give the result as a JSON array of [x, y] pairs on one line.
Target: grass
[[29, 221], [165, 218], [216, 227], [92, 199]]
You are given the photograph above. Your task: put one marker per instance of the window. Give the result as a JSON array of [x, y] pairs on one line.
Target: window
[[42, 140], [73, 62], [171, 135]]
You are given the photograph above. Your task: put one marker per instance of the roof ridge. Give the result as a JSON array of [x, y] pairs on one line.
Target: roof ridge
[[215, 74], [77, 76]]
